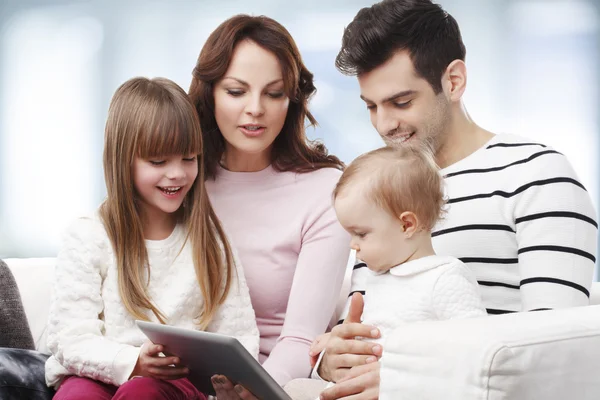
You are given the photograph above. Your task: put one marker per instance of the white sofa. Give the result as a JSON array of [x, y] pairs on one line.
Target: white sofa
[[550, 355]]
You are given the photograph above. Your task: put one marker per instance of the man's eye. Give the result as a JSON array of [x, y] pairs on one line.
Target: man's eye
[[403, 105]]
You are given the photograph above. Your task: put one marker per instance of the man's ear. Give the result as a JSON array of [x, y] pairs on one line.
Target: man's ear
[[410, 223], [454, 80]]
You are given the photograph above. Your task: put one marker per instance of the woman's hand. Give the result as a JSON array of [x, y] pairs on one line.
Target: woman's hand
[[152, 365], [317, 346], [226, 390]]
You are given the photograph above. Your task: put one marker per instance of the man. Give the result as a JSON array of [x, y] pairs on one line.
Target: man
[[517, 214]]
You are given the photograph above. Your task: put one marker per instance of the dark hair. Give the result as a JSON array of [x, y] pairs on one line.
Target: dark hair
[[292, 151], [429, 33]]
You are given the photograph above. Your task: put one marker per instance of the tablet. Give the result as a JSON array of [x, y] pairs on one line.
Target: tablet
[[206, 354]]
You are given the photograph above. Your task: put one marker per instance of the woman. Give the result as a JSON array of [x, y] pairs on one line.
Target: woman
[[270, 186]]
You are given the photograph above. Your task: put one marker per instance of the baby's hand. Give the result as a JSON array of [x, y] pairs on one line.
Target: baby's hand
[[151, 364], [317, 347]]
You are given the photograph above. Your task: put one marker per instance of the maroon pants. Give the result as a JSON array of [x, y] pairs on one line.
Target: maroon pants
[[78, 388]]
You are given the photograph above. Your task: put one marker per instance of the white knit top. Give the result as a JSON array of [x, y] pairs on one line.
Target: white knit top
[[90, 332]]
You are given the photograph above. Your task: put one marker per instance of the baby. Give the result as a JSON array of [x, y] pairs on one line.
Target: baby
[[389, 201]]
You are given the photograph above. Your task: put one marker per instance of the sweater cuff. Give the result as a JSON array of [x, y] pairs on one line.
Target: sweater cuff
[[314, 373], [124, 363]]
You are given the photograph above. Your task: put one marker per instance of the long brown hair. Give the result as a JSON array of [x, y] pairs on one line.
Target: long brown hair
[[292, 151], [155, 118]]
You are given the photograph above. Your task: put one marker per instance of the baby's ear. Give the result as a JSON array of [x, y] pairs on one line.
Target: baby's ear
[[410, 223]]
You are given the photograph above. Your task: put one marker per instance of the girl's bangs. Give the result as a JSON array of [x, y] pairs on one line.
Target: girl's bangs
[[171, 130]]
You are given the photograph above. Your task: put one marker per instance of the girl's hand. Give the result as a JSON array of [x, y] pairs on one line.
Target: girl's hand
[[152, 365], [226, 390]]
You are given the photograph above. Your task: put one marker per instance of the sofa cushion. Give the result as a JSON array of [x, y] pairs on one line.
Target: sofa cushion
[[22, 375], [550, 355], [15, 331]]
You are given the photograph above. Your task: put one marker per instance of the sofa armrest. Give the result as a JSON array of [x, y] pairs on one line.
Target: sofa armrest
[[551, 355], [34, 277]]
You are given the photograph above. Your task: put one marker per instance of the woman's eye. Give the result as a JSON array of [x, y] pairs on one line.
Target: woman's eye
[[275, 95], [235, 92]]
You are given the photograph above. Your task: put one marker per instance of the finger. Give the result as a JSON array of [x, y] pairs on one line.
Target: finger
[[244, 393], [356, 308], [354, 388], [360, 370], [317, 346], [349, 360], [352, 330], [164, 361], [227, 384], [220, 392], [153, 349], [351, 346]]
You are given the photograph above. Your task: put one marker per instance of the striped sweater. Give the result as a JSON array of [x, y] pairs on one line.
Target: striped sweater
[[519, 218]]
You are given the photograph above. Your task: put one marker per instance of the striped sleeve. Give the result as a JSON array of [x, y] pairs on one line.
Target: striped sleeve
[[360, 274], [556, 233]]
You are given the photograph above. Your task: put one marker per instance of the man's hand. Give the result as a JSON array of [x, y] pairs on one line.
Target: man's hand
[[151, 364], [226, 390], [361, 383], [343, 351]]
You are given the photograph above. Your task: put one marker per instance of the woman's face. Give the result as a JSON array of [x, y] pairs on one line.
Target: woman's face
[[250, 106]]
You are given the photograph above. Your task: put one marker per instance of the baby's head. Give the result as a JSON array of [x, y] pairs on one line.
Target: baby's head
[[389, 201]]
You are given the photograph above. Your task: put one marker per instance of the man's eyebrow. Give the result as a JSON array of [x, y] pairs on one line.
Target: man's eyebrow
[[393, 97]]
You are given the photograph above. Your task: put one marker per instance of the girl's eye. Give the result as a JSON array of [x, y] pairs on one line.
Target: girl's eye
[[361, 235], [190, 159], [157, 162], [235, 92]]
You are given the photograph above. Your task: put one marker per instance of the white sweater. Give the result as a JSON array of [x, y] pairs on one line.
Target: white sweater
[[427, 289], [91, 334]]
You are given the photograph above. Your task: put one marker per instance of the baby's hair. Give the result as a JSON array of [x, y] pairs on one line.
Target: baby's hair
[[398, 180]]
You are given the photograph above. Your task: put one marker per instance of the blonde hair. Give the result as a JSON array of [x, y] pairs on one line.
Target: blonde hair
[[154, 118], [398, 180]]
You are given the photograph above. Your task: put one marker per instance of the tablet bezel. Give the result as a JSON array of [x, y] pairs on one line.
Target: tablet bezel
[[207, 354]]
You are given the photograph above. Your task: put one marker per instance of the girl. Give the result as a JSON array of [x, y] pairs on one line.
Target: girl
[[154, 251], [270, 186]]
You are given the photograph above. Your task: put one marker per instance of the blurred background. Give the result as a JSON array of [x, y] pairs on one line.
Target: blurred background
[[533, 70]]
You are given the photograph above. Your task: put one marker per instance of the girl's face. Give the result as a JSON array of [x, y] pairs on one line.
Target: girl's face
[[250, 104], [162, 183]]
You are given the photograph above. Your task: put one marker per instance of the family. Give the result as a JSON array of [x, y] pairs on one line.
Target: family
[[222, 216]]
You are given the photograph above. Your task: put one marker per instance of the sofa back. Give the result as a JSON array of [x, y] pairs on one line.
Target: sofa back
[[34, 277]]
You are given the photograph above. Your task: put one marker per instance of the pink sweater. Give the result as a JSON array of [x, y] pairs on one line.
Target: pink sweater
[[293, 251]]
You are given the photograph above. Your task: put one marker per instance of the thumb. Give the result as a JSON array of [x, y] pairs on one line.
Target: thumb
[[356, 308]]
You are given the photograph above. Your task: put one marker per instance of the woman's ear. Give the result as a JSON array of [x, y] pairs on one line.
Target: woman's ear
[[410, 223]]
